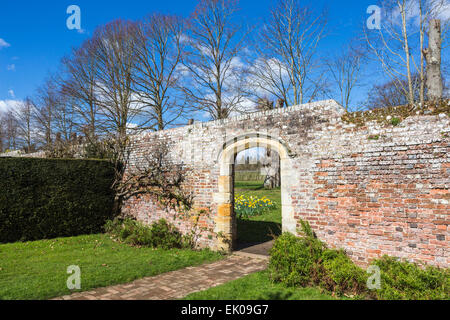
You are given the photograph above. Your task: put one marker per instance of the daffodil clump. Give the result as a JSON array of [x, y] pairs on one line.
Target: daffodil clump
[[246, 207]]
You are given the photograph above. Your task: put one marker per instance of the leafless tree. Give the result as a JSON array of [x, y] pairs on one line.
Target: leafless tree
[[159, 177], [213, 42], [345, 70], [388, 95], [64, 117], [46, 101], [286, 61], [2, 132], [25, 116], [399, 44], [80, 86], [11, 131], [113, 48], [159, 50]]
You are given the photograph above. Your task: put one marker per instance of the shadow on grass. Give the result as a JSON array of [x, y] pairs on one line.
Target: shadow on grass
[[275, 295], [257, 231]]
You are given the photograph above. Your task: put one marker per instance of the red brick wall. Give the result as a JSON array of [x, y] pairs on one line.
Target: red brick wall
[[393, 202], [202, 185], [370, 196]]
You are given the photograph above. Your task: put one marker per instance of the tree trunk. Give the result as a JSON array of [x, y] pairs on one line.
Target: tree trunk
[[433, 58]]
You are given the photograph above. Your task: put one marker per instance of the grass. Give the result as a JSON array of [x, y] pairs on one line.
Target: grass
[[259, 229], [38, 270], [258, 286]]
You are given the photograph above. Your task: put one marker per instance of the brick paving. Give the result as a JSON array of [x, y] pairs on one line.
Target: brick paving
[[176, 284]]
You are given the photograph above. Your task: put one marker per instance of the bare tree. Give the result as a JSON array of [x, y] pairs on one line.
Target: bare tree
[[113, 48], [159, 49], [46, 101], [388, 95], [25, 116], [64, 117], [286, 61], [399, 45], [80, 86], [11, 130], [214, 40], [159, 177], [2, 132], [345, 71]]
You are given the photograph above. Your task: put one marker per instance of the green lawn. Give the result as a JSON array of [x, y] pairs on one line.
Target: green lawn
[[38, 270], [257, 286], [259, 228]]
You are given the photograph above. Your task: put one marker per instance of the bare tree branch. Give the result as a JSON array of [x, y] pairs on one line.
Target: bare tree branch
[[159, 51], [214, 42], [286, 63]]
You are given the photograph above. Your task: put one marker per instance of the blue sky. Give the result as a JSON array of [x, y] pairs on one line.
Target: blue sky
[[37, 38]]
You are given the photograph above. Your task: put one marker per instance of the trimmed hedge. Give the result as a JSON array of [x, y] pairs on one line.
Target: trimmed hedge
[[49, 198]]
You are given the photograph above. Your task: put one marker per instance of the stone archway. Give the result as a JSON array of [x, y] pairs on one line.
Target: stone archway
[[225, 222]]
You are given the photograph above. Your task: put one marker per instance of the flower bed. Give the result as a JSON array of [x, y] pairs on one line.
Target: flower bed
[[250, 206]]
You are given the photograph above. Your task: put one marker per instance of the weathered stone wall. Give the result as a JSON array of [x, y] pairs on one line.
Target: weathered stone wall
[[372, 190]]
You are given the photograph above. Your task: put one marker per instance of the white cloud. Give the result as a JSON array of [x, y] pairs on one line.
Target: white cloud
[[266, 68], [440, 10], [11, 93], [184, 38], [182, 71], [4, 44], [445, 12], [7, 105], [11, 67]]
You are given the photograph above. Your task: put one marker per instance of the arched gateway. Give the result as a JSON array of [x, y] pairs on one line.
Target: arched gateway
[[225, 221], [371, 188]]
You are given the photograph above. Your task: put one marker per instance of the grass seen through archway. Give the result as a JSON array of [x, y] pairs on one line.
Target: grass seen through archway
[[259, 228]]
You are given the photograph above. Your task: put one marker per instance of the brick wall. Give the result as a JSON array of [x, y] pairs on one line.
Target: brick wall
[[372, 190], [391, 201]]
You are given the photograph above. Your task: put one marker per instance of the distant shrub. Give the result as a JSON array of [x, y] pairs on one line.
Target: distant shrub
[[160, 234]]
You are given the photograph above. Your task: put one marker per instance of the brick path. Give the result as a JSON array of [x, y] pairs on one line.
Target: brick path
[[176, 284]]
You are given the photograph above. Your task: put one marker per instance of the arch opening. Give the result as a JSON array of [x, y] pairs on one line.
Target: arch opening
[[226, 220]]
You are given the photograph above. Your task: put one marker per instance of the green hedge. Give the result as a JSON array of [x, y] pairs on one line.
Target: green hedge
[[49, 198]]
